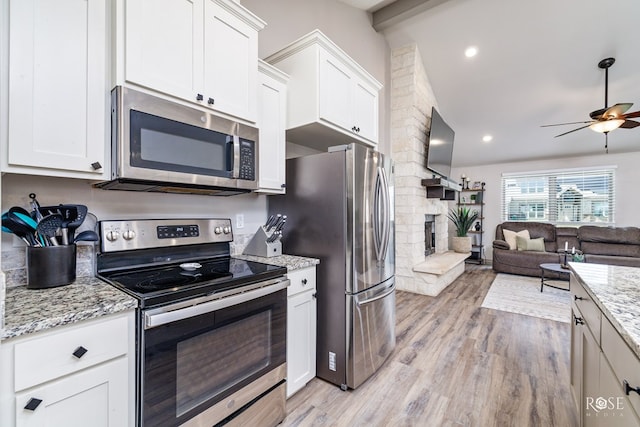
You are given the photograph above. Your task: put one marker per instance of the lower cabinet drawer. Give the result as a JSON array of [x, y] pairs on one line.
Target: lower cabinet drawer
[[55, 354], [301, 280], [588, 308], [623, 361]]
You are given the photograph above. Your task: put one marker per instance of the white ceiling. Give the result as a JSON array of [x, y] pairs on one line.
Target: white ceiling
[[537, 64]]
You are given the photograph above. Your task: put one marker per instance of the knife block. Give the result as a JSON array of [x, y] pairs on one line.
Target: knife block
[[259, 246]]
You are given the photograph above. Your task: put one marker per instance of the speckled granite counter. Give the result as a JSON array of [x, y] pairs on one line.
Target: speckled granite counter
[[32, 310], [616, 291], [292, 262]]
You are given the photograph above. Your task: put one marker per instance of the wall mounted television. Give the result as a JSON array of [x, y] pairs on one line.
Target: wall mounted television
[[440, 145]]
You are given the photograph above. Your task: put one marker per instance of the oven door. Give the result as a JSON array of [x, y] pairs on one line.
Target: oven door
[[210, 359]]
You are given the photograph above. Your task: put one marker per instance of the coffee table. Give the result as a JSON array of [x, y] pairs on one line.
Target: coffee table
[[556, 268]]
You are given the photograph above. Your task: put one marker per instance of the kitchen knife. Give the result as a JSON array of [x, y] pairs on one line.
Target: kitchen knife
[[280, 225], [269, 221], [271, 226]]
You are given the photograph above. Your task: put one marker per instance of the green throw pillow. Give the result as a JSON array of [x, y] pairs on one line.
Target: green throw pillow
[[525, 244]]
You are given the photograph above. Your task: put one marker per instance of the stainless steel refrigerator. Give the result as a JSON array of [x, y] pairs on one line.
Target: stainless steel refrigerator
[[339, 208]]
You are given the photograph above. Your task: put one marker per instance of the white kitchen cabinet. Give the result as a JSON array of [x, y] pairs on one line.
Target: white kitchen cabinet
[[74, 375], [600, 362], [301, 329], [58, 97], [272, 110], [93, 397], [201, 51], [332, 99]]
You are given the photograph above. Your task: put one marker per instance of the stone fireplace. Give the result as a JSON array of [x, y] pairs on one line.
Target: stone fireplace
[[411, 102]]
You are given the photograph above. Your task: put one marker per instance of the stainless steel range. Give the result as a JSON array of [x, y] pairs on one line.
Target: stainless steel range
[[211, 332]]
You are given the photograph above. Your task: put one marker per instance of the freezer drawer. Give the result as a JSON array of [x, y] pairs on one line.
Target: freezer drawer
[[372, 331]]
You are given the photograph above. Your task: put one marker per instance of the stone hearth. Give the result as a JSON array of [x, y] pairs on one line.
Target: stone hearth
[[411, 102]]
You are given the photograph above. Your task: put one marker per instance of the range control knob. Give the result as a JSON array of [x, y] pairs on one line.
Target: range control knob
[[112, 235], [129, 234], [217, 230], [227, 230]]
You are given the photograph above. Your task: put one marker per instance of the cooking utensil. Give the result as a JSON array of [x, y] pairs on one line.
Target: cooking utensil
[[22, 229], [49, 226], [10, 227], [86, 236], [35, 206], [72, 218], [81, 214]]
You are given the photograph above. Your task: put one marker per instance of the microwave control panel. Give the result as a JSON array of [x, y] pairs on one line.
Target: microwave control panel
[[247, 168]]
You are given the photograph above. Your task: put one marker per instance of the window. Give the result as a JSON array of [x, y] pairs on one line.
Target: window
[[563, 197]]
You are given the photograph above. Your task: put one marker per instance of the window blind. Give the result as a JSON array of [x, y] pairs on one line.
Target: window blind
[[563, 197]]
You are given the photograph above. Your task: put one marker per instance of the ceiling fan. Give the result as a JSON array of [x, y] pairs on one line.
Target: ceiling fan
[[608, 118]]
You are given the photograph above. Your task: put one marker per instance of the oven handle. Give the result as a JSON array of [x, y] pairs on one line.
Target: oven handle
[[164, 315]]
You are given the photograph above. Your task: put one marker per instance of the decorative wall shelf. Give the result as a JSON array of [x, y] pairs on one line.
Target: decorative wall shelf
[[441, 188]]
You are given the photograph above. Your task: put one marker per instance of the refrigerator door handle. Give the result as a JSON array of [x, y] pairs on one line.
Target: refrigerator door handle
[[378, 193], [386, 225], [377, 297]]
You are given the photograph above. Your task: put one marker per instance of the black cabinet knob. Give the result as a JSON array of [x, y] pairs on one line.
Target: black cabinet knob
[[283, 186], [199, 97], [628, 389], [578, 320], [32, 404], [304, 281], [315, 295], [96, 166], [211, 101], [79, 352], [576, 298]]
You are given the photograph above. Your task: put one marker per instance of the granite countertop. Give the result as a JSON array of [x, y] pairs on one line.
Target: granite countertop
[[616, 291], [33, 310], [292, 262]]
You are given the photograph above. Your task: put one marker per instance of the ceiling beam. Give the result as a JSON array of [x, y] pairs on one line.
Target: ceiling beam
[[400, 10]]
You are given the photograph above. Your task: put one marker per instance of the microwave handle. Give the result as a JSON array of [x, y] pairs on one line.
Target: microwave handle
[[236, 156]]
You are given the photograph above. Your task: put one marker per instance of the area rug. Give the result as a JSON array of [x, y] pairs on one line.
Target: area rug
[[521, 294]]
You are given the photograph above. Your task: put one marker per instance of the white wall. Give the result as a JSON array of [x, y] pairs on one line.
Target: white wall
[[627, 178]]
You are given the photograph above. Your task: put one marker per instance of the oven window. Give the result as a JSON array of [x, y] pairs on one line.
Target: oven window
[[209, 364], [168, 145]]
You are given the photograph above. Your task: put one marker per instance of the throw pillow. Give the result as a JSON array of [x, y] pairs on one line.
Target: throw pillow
[[525, 244], [510, 237]]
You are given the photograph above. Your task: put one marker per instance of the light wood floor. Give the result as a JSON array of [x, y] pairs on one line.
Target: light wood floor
[[455, 364]]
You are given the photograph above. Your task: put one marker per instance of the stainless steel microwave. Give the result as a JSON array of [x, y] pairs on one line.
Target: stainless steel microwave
[[161, 145]]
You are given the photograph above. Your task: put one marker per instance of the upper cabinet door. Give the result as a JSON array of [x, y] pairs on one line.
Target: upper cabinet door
[[201, 51], [365, 110], [335, 92], [58, 95], [164, 44], [230, 62]]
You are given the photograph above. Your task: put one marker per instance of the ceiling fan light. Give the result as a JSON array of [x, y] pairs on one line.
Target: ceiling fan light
[[606, 125]]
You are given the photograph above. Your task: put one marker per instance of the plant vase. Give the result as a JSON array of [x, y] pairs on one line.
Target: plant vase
[[461, 244]]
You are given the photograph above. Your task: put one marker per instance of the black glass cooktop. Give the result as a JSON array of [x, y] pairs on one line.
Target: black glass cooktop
[[171, 283]]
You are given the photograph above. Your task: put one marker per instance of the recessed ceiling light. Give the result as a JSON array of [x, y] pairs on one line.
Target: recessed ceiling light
[[487, 138], [471, 51]]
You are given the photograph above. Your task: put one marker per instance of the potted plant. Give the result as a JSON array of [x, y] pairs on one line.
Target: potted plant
[[462, 219]]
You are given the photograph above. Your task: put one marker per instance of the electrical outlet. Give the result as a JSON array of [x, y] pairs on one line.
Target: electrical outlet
[[239, 220]]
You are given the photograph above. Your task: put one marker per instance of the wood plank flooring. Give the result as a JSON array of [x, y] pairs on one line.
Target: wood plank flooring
[[455, 364]]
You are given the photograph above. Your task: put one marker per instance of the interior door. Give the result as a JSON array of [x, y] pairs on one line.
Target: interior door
[[370, 206]]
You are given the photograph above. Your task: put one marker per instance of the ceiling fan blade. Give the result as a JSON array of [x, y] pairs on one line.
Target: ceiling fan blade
[[632, 115], [617, 110], [582, 127], [569, 123], [630, 124], [597, 114]]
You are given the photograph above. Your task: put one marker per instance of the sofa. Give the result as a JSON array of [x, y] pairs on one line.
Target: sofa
[[599, 245]]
